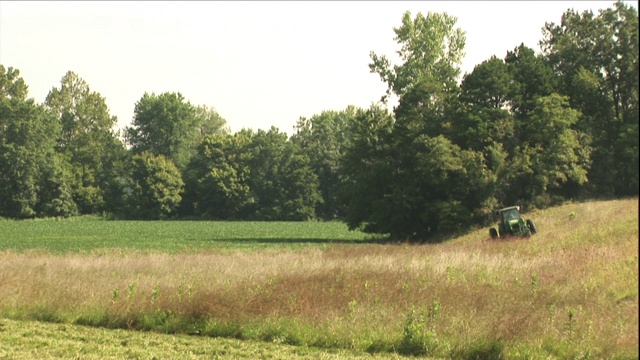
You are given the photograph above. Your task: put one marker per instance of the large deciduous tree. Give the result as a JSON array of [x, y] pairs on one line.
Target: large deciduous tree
[[164, 124], [417, 183], [216, 179], [87, 140], [526, 132], [209, 122], [595, 58], [531, 76], [366, 170], [156, 187], [324, 138], [484, 117], [484, 123], [34, 179], [554, 153], [282, 181], [431, 48], [251, 176]]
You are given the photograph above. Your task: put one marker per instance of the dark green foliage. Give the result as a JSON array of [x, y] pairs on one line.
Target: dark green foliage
[[156, 187], [595, 58], [57, 195], [166, 125], [208, 122], [324, 138], [12, 86], [562, 154], [216, 178], [251, 176], [365, 169], [282, 182], [87, 141], [31, 179], [411, 186], [432, 49], [531, 78], [452, 154], [169, 125], [417, 183], [483, 117], [438, 194]]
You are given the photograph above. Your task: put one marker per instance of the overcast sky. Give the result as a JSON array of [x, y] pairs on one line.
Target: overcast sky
[[259, 64]]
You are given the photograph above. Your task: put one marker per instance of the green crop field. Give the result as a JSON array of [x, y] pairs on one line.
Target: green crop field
[[89, 234], [316, 290]]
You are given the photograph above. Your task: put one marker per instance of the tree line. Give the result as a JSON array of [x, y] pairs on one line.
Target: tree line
[[529, 128]]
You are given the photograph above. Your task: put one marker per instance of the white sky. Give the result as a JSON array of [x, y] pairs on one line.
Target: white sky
[[260, 64]]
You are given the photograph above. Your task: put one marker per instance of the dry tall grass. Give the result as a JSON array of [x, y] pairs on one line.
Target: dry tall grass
[[572, 287]]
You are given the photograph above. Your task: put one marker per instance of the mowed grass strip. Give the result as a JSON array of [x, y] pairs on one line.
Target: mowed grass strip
[[571, 291], [87, 235], [27, 340]]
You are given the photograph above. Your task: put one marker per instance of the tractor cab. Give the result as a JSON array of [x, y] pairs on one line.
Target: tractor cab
[[510, 215], [512, 223]]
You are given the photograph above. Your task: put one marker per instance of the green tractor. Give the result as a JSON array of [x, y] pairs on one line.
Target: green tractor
[[512, 224]]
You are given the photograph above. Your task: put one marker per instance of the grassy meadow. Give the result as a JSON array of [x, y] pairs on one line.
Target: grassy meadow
[[568, 292]]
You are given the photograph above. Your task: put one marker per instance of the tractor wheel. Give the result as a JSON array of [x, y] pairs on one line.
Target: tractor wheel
[[532, 226], [493, 233]]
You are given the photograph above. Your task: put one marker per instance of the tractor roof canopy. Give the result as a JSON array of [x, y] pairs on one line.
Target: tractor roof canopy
[[517, 207]]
